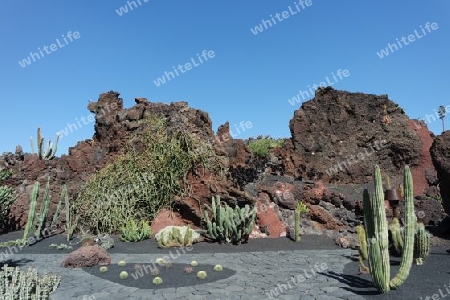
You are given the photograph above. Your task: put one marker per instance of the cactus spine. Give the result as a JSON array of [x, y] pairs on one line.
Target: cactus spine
[[375, 223], [421, 244]]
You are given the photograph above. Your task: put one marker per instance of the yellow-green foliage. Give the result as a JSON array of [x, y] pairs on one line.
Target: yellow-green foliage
[[144, 179], [134, 231], [261, 147]]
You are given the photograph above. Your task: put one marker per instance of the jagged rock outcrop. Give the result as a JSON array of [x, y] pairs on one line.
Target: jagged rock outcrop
[[113, 127], [338, 137], [440, 152]]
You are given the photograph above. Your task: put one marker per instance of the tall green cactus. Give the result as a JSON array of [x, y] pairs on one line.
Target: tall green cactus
[[43, 213], [376, 227], [32, 211], [300, 209], [410, 228], [362, 248], [377, 234], [228, 224]]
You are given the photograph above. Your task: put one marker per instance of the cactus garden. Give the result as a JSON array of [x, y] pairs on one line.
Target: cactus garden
[[159, 203]]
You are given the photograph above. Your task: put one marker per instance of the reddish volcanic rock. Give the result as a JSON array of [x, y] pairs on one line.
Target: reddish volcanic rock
[[268, 221], [321, 215], [440, 152], [87, 256], [424, 166], [339, 136]]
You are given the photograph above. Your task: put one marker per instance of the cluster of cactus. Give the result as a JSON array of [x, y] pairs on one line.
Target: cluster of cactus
[[376, 228], [176, 236], [37, 221], [300, 209], [230, 225], [134, 231], [18, 284], [50, 152]]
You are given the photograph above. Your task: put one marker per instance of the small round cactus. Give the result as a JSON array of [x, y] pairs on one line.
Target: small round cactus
[[218, 268], [201, 274], [160, 261], [157, 280], [103, 269], [122, 263], [194, 263], [188, 269], [123, 275]]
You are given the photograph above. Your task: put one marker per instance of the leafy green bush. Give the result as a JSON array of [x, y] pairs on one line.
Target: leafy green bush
[[143, 180], [134, 231], [7, 197], [261, 147]]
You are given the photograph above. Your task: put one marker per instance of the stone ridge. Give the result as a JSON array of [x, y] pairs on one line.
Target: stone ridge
[[332, 129]]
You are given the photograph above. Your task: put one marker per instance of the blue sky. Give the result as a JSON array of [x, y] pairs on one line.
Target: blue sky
[[250, 78]]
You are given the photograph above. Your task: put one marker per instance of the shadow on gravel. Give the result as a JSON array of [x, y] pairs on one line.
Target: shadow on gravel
[[139, 275], [427, 280], [15, 262]]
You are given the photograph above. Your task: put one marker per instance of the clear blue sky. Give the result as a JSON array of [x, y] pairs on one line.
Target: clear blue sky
[[250, 78]]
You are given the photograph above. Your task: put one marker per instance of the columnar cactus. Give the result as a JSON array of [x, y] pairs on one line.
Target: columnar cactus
[[376, 226], [38, 221], [409, 231], [50, 152], [43, 213], [362, 249], [300, 209], [421, 244], [32, 211]]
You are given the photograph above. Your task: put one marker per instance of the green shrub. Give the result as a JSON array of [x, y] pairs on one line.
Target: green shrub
[[261, 147], [143, 180], [135, 231]]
